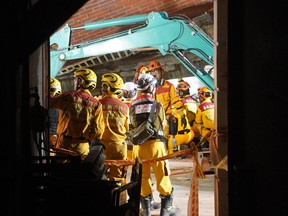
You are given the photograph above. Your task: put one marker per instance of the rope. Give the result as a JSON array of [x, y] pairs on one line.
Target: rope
[[217, 161], [193, 150], [193, 201]]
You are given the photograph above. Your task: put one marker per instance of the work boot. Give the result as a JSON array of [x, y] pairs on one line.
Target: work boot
[[145, 206], [155, 205], [167, 209]]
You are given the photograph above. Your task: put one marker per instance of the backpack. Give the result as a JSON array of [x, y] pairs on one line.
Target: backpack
[[145, 130]]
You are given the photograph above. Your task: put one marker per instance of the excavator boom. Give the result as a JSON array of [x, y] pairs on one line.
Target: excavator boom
[[170, 35]]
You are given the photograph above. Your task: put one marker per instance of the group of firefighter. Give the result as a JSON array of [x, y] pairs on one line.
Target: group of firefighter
[[180, 119]]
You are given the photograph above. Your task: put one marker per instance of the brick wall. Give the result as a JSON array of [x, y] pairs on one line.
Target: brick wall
[[96, 10]]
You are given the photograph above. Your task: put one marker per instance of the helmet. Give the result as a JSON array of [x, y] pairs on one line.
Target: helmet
[[88, 77], [142, 69], [114, 82], [145, 80], [55, 87], [204, 93], [183, 88], [153, 65], [129, 90], [182, 85]]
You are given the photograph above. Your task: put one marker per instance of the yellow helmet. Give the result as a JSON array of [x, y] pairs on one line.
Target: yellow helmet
[[114, 82], [55, 87], [88, 77], [204, 93], [153, 65]]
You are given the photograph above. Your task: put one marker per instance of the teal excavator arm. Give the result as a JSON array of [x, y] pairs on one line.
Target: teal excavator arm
[[177, 36]]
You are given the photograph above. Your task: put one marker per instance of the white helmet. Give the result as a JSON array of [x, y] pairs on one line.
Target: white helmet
[[129, 90], [145, 80]]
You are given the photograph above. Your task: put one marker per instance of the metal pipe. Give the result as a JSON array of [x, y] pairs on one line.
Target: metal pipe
[[114, 22]]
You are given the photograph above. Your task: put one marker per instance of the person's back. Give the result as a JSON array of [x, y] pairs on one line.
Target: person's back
[[80, 114], [152, 148], [129, 93], [116, 120]]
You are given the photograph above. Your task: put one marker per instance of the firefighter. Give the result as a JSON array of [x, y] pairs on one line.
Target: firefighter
[[116, 120], [129, 93], [140, 70], [189, 103], [204, 123], [151, 149], [204, 119], [55, 90], [177, 131], [190, 106], [80, 114]]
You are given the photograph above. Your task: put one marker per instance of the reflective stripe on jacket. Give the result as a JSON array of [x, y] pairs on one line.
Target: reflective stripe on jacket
[[80, 114], [167, 95], [116, 118]]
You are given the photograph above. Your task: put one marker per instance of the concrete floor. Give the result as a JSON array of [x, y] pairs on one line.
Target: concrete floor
[[181, 170], [181, 173]]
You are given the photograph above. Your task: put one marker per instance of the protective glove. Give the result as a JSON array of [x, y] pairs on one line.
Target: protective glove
[[173, 125], [183, 121]]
